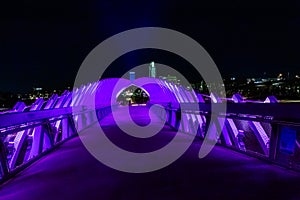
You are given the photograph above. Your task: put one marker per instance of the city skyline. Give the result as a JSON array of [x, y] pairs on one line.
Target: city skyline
[[284, 87]]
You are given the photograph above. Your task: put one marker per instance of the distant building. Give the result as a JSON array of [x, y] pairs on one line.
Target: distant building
[[37, 89], [170, 78], [152, 70], [132, 76]]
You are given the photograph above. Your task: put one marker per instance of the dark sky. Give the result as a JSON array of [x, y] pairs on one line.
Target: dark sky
[[43, 43]]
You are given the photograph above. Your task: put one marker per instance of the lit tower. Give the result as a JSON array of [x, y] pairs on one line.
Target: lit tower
[[152, 70], [132, 76]]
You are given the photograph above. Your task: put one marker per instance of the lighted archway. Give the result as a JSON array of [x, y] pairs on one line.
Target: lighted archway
[[132, 95], [132, 85], [159, 91]]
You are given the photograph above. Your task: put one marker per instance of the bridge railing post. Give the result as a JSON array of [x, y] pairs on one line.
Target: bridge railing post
[[273, 141], [4, 169], [284, 144]]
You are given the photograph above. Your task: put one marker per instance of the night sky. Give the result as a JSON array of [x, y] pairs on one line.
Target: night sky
[[43, 43]]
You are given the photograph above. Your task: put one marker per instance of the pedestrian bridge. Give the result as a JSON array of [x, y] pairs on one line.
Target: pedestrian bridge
[[256, 155]]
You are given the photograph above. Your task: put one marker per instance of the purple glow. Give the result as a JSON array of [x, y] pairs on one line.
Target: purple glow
[[105, 92]]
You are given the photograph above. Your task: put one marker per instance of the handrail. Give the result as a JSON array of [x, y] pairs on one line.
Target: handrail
[[288, 112], [43, 130], [17, 118], [13, 119], [259, 130]]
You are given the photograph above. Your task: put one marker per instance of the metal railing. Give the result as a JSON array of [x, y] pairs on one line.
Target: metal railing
[[26, 136], [268, 131]]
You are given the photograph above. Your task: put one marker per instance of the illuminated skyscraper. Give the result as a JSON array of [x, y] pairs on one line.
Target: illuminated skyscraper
[[152, 70], [132, 76]]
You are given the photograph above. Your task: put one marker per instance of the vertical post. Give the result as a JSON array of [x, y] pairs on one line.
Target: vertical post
[[71, 126], [48, 132], [240, 139], [3, 161], [274, 141], [36, 141], [65, 128], [178, 120], [19, 141]]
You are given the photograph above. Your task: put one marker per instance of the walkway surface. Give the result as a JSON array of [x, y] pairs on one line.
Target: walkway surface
[[70, 172]]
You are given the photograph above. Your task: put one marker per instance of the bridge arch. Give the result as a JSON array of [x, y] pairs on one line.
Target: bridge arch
[[159, 91], [132, 85]]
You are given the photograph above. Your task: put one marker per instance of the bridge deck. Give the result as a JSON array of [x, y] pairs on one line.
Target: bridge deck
[[70, 172]]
